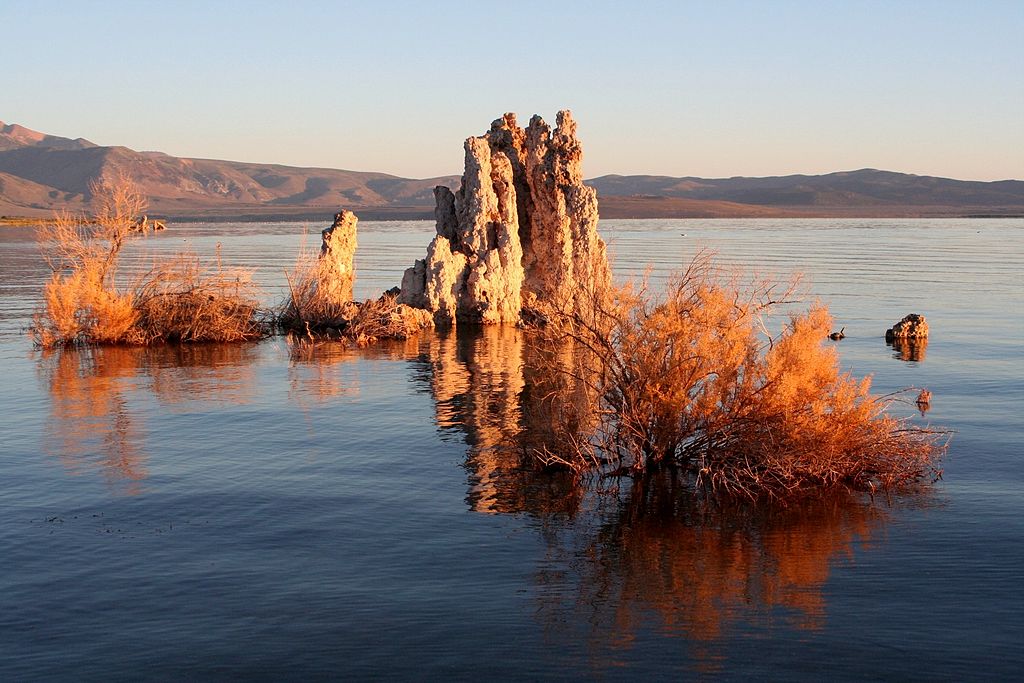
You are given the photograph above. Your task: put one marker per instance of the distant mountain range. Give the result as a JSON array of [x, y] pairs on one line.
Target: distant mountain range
[[41, 173]]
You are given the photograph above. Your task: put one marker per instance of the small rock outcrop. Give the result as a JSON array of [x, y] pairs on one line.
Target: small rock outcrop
[[337, 253], [145, 225], [913, 326], [321, 295], [521, 231]]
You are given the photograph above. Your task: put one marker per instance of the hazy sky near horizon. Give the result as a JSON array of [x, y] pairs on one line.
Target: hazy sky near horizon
[[712, 89]]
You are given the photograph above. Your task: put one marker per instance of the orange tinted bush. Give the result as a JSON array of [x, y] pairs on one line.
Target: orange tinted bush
[[177, 300], [310, 305], [694, 380], [312, 308]]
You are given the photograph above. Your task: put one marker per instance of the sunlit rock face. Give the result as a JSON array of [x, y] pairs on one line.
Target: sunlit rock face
[[913, 326], [337, 253], [520, 232]]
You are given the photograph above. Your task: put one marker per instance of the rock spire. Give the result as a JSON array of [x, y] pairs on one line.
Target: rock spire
[[520, 233], [337, 253]]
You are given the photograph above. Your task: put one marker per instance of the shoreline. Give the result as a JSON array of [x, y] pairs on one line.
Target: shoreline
[[613, 208], [22, 221]]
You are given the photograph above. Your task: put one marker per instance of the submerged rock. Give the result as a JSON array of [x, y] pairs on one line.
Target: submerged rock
[[913, 326], [337, 253], [520, 232]]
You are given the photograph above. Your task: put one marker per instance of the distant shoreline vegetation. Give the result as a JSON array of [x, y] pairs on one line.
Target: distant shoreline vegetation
[[20, 221]]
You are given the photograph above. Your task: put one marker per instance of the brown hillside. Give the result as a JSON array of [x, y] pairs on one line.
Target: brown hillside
[[40, 173]]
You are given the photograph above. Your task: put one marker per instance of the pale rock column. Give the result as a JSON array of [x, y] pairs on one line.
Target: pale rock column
[[337, 253], [521, 231]]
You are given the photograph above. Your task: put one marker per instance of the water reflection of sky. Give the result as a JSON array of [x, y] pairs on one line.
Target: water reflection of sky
[[642, 552], [367, 511]]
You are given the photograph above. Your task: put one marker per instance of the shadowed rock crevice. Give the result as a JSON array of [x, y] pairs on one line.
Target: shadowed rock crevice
[[520, 233]]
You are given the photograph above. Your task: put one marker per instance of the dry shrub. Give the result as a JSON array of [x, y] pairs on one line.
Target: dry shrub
[[385, 318], [182, 301], [80, 302], [175, 301], [77, 310], [310, 307], [694, 380]]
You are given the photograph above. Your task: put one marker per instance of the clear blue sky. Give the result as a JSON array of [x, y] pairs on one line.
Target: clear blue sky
[[712, 89]]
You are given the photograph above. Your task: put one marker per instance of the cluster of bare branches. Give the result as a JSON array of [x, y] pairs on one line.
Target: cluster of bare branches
[[385, 318], [181, 299], [85, 301], [694, 380], [312, 308]]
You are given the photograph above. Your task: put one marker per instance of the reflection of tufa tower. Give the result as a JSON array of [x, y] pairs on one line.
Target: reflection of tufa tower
[[477, 381], [481, 393]]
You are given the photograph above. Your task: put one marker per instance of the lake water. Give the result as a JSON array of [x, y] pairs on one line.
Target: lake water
[[266, 512]]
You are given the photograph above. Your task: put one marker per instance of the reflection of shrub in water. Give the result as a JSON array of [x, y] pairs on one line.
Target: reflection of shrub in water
[[92, 424], [704, 572], [94, 393]]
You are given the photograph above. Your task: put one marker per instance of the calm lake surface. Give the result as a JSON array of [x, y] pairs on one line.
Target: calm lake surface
[[256, 511]]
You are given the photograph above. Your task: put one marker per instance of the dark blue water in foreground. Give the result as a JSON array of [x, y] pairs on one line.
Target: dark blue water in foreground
[[271, 512]]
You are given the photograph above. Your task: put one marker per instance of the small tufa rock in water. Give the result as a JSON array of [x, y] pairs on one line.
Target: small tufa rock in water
[[913, 326], [144, 225], [338, 252]]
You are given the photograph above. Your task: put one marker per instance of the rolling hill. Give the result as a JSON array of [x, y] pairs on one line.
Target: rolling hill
[[41, 173], [867, 190]]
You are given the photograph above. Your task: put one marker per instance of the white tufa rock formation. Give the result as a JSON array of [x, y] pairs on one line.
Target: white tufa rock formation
[[912, 326], [337, 252], [520, 233]]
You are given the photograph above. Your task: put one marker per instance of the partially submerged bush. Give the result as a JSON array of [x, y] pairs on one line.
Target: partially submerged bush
[[313, 308], [84, 303], [695, 381], [385, 318], [311, 305], [181, 301]]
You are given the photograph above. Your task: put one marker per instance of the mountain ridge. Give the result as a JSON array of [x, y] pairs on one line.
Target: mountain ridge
[[42, 173]]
